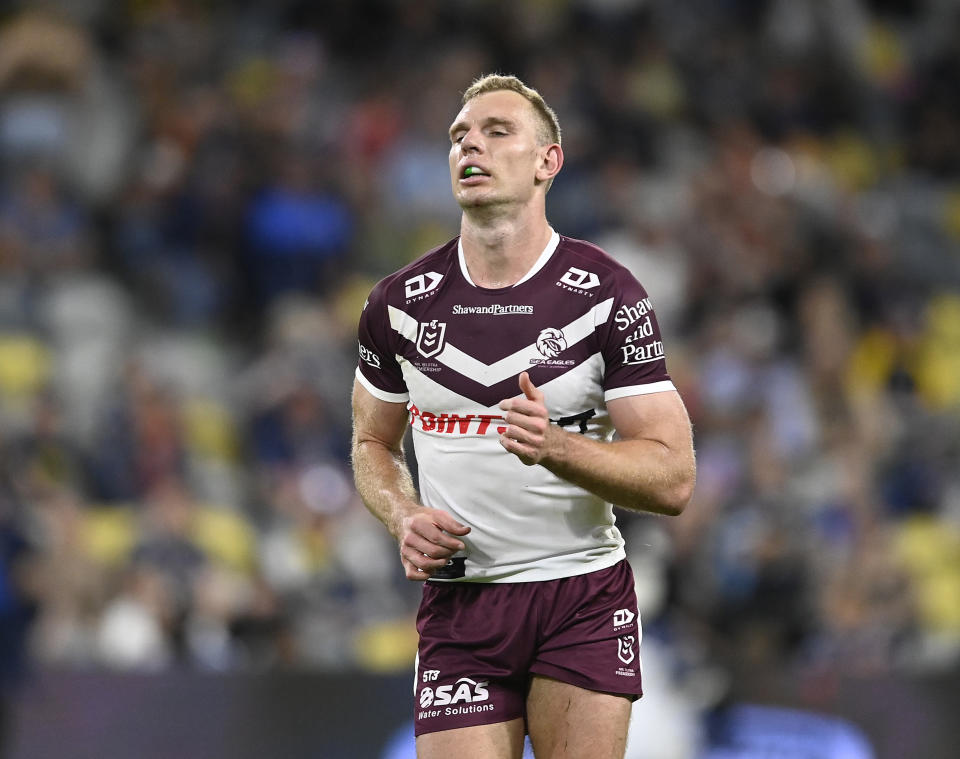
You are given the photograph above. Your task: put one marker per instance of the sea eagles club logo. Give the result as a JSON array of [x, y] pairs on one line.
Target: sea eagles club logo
[[551, 342], [430, 338]]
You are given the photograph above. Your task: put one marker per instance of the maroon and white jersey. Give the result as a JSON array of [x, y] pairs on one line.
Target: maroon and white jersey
[[584, 329]]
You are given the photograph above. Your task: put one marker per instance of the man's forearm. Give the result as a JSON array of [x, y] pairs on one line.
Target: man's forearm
[[427, 537], [384, 482], [642, 475], [651, 468]]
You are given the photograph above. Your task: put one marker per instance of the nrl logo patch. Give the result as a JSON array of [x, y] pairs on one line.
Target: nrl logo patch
[[430, 338]]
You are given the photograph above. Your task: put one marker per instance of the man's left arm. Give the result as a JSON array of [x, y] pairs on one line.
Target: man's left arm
[[651, 467]]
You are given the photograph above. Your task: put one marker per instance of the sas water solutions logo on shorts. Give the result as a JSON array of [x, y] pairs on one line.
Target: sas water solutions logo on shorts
[[465, 696]]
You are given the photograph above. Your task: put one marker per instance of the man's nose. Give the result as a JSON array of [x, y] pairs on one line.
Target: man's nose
[[471, 142]]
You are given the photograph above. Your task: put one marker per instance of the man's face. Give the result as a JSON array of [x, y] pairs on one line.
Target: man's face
[[494, 155]]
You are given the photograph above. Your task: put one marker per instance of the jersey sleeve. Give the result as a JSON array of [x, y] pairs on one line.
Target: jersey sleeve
[[635, 362], [377, 367]]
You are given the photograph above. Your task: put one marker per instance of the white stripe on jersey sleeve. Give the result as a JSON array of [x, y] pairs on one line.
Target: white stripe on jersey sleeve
[[623, 392], [403, 323], [376, 392]]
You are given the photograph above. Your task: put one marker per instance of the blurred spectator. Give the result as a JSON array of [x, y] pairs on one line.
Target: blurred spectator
[[134, 631], [142, 439], [62, 108], [43, 234], [299, 230]]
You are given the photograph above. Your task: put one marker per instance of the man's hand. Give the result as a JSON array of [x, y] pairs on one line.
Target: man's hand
[[529, 434], [426, 541]]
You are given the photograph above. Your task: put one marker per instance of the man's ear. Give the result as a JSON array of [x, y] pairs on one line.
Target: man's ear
[[551, 161]]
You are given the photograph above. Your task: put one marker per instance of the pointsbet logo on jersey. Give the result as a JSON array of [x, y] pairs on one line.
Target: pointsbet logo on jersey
[[463, 424]]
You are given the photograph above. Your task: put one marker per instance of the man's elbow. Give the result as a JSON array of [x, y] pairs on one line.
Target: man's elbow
[[675, 496], [676, 499], [669, 500]]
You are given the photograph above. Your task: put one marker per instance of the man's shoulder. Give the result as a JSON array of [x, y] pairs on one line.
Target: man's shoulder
[[417, 278], [587, 264]]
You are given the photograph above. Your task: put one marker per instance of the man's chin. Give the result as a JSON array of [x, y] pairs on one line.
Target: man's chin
[[475, 201]]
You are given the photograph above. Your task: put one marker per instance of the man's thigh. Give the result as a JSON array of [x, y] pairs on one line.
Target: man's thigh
[[567, 722], [473, 657], [502, 740]]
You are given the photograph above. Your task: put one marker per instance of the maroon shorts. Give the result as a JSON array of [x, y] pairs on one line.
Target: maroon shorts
[[480, 642]]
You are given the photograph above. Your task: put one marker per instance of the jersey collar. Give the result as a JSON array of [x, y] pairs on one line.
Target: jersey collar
[[541, 261]]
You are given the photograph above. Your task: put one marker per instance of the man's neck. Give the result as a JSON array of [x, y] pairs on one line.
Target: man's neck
[[499, 252]]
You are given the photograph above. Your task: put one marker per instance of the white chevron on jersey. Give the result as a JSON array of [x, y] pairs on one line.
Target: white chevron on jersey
[[572, 392], [490, 374]]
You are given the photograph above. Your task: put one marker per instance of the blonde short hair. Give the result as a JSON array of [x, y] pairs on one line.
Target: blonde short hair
[[549, 131]]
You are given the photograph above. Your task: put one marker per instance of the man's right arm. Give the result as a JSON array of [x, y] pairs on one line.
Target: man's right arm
[[426, 536]]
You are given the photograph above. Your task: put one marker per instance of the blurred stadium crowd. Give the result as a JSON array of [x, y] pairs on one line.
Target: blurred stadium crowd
[[196, 197]]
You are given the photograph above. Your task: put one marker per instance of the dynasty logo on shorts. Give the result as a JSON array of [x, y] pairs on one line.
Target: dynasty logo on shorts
[[622, 618], [466, 696]]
